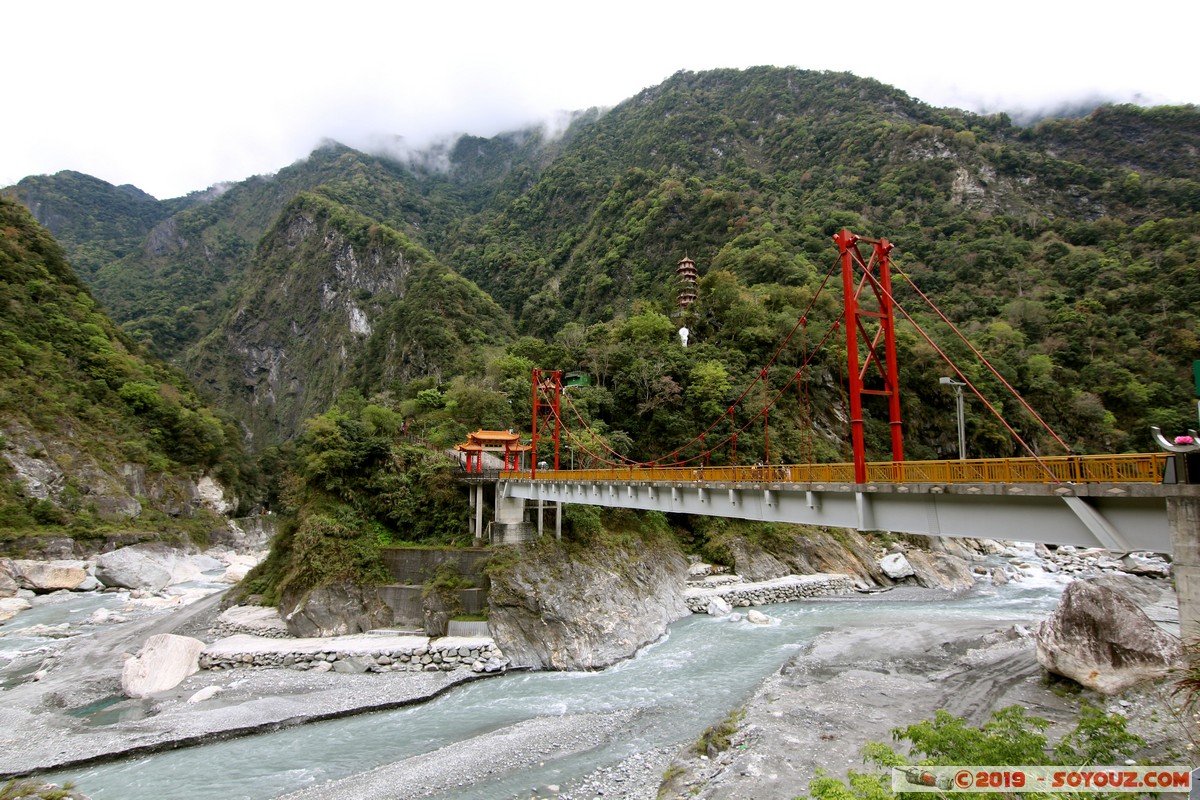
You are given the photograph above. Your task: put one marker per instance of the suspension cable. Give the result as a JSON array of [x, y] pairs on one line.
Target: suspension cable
[[983, 359], [968, 382]]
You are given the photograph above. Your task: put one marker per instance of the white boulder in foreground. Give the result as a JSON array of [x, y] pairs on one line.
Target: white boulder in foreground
[[1102, 640], [162, 663]]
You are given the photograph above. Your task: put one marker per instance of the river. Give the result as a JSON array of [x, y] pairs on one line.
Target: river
[[680, 685]]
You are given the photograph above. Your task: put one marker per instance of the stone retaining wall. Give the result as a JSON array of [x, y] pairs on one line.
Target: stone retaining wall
[[427, 658], [778, 590], [220, 630], [260, 621]]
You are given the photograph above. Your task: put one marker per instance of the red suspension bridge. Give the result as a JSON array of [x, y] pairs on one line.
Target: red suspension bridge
[[1119, 502], [871, 366]]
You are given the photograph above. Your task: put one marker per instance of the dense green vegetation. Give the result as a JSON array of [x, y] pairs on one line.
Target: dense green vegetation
[[1010, 738], [74, 383], [1067, 252], [97, 223], [1064, 257], [348, 485]]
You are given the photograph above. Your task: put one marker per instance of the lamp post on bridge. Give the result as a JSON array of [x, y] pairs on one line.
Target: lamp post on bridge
[[962, 423]]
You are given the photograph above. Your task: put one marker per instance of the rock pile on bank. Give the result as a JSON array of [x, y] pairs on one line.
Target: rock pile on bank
[[759, 593], [252, 620], [358, 654]]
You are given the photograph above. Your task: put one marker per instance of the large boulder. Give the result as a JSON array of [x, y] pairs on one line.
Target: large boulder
[[11, 606], [896, 566], [336, 609], [163, 662], [48, 576], [1102, 640], [940, 570], [8, 585], [149, 567]]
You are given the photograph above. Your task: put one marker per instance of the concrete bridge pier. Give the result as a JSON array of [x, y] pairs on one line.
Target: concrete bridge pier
[[510, 526], [476, 495], [1183, 517], [541, 516]]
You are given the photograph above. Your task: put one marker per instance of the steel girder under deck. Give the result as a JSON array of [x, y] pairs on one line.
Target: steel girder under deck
[[1118, 517]]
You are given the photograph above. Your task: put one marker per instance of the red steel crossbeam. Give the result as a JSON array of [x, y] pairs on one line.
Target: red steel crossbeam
[[547, 393], [876, 274]]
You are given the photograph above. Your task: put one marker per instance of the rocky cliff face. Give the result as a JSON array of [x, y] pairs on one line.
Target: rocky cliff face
[[807, 551], [285, 349], [550, 609], [52, 468], [801, 550], [335, 300]]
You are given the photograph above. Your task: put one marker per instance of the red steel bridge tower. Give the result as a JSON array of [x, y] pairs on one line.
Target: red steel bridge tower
[[870, 326], [547, 394]]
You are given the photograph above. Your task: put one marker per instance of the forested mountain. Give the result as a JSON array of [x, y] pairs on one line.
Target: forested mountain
[[168, 271], [1067, 252], [94, 432], [338, 301], [97, 223]]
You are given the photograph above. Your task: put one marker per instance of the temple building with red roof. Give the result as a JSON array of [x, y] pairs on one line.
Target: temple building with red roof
[[482, 441]]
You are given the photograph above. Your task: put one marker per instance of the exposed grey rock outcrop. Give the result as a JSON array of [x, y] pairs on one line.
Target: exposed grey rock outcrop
[[52, 467], [1102, 640], [554, 610], [48, 576], [940, 570], [804, 551], [336, 609], [8, 584], [148, 567], [164, 660]]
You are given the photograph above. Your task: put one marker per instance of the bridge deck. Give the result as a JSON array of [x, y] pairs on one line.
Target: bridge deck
[[1118, 502], [1131, 468]]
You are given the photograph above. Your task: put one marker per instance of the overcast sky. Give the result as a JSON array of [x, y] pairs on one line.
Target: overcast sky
[[173, 97]]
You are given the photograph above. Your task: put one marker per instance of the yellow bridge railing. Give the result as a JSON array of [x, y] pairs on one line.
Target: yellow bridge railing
[[1138, 468]]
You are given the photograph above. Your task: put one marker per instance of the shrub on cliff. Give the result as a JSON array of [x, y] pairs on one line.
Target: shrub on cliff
[[1009, 738], [349, 488]]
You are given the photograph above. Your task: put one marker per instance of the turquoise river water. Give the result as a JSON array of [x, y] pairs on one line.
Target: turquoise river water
[[681, 685]]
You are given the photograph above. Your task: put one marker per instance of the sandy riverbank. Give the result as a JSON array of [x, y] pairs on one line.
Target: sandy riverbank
[[39, 732]]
